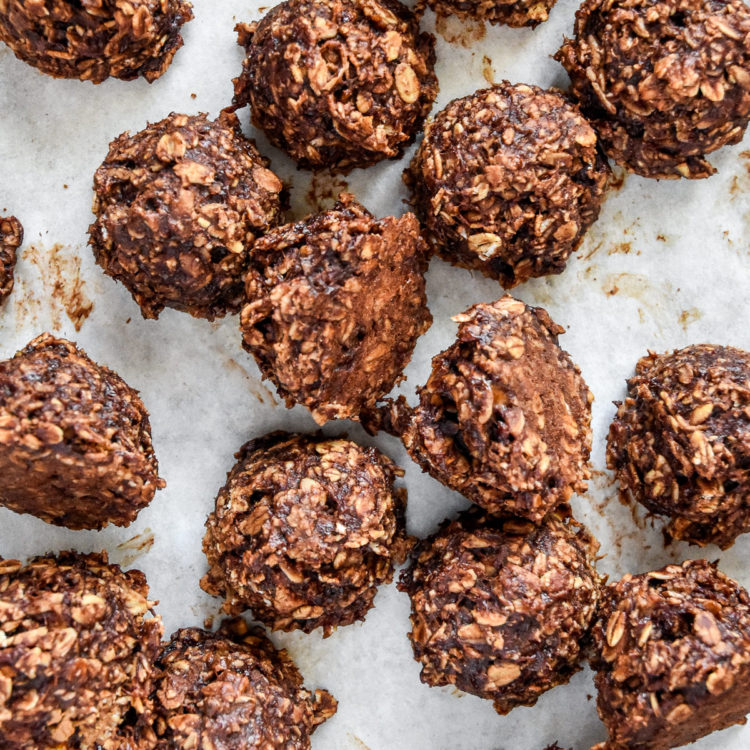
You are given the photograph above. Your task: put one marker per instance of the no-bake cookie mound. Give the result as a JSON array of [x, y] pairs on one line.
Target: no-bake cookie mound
[[95, 39], [507, 181], [680, 442], [505, 415], [500, 608], [514, 13], [75, 439], [76, 652], [11, 237], [232, 689], [338, 83], [672, 657], [304, 531], [178, 206], [665, 82], [336, 303]]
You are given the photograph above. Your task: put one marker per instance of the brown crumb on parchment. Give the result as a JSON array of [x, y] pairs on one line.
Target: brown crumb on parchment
[[680, 442], [335, 305], [337, 83], [75, 439], [671, 656], [501, 608], [664, 82], [178, 207], [507, 181], [304, 531], [11, 237], [233, 689], [94, 40], [76, 654], [505, 416]]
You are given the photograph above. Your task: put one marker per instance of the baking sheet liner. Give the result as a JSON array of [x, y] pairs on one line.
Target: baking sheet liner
[[666, 265]]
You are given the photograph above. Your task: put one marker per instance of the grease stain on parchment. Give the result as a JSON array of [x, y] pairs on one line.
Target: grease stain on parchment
[[619, 176], [488, 72], [464, 32], [63, 291], [357, 742], [263, 394], [622, 248], [634, 285], [135, 547], [689, 316]]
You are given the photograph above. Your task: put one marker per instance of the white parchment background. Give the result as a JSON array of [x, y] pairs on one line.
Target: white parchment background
[[683, 280]]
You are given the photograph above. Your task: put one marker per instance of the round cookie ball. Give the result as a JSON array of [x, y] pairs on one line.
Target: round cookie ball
[[672, 656], [680, 442], [75, 439], [504, 418], [664, 82], [76, 654], [515, 13], [500, 608], [338, 83], [304, 531], [336, 303], [507, 181], [178, 206], [95, 40], [233, 689], [11, 237]]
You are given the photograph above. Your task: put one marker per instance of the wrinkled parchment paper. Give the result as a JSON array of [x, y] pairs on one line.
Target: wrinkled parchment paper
[[666, 265]]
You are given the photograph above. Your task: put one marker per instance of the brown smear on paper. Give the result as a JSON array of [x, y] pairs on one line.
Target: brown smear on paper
[[630, 284], [63, 291], [464, 32], [258, 390], [136, 546], [487, 70], [622, 247], [357, 742], [689, 316], [618, 178]]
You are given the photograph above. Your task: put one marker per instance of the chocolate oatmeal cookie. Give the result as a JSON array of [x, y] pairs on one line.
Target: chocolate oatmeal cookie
[[507, 181], [336, 303], [514, 13], [505, 416], [75, 439], [672, 657], [178, 207], [232, 689], [501, 608], [77, 647], [338, 83], [96, 39], [11, 237], [304, 531], [664, 82], [680, 442]]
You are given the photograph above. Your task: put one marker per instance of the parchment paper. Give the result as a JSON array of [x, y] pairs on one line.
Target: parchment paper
[[666, 265]]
